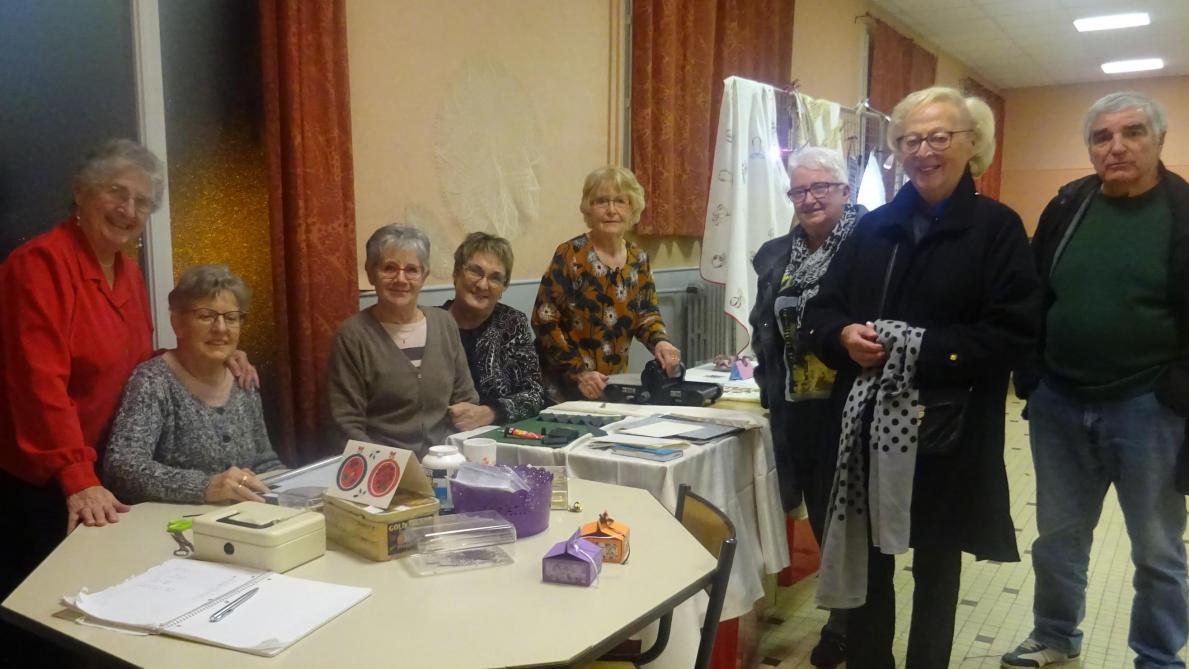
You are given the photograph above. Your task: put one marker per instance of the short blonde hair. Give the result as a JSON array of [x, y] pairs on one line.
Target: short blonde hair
[[973, 110], [619, 178]]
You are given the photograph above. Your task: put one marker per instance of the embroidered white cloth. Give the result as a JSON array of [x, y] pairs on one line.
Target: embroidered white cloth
[[883, 500], [748, 202], [871, 188]]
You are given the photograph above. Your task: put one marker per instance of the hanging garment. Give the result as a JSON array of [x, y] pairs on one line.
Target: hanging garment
[[819, 122], [871, 188], [748, 202]]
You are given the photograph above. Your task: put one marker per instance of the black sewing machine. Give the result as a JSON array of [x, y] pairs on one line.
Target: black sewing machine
[[657, 387]]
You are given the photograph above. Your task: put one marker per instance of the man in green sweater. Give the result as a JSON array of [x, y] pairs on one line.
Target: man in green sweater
[[1109, 390]]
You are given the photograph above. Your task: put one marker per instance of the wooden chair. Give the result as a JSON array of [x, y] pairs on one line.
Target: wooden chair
[[714, 530]]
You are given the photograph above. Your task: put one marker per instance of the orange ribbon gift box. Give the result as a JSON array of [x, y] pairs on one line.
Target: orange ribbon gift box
[[610, 536]]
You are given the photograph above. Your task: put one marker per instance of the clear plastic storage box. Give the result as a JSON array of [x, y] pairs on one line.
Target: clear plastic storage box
[[462, 541]]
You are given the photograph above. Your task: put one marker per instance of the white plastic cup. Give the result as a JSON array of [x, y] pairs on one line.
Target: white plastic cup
[[479, 450]]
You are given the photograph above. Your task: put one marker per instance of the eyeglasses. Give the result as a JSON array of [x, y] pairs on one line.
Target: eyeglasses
[[938, 141], [603, 202], [475, 273], [819, 189], [207, 317], [118, 195], [392, 270]]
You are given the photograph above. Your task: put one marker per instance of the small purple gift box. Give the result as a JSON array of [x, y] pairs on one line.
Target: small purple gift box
[[574, 561]]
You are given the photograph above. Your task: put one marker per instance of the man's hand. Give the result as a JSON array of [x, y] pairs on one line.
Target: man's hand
[[94, 507], [862, 343], [591, 384], [467, 416]]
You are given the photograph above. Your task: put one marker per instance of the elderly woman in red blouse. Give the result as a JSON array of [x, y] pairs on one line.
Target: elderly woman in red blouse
[[74, 322], [598, 293]]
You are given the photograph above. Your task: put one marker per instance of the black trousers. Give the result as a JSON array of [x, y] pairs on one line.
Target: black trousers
[[936, 575], [806, 457], [32, 525]]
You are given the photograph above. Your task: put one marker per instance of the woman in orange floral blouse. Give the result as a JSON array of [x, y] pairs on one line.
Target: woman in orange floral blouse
[[598, 293]]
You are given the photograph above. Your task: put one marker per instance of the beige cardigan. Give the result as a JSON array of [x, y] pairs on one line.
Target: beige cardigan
[[377, 395]]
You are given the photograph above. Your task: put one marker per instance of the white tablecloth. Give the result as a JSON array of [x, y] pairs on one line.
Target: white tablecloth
[[736, 473]]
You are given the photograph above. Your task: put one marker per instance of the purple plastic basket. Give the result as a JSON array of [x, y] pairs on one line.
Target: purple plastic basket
[[527, 510]]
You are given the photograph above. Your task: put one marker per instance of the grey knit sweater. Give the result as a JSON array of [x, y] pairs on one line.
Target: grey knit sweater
[[166, 443]]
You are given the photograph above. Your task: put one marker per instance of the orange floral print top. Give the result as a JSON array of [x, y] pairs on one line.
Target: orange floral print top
[[587, 313]]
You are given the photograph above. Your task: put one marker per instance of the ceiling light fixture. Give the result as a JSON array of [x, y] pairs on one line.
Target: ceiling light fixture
[[1112, 22], [1138, 65]]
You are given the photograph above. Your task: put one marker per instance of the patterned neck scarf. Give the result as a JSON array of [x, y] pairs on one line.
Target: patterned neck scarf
[[806, 268], [889, 395]]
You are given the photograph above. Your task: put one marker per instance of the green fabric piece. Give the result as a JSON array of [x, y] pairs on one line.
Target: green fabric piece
[[1112, 328], [533, 425]]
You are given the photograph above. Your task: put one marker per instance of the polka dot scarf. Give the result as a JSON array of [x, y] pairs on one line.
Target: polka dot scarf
[[889, 395]]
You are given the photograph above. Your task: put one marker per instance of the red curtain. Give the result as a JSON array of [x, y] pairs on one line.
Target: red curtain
[[989, 183], [898, 66], [311, 203], [681, 52]]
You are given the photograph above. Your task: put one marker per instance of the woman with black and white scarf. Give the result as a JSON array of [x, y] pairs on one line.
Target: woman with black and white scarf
[[928, 305], [794, 384]]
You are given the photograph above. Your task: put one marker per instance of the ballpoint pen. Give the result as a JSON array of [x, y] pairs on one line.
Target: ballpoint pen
[[231, 606]]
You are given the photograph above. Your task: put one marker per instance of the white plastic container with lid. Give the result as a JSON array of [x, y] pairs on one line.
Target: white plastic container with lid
[[440, 464]]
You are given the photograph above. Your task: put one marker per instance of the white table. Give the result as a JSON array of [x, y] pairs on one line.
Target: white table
[[497, 617], [736, 473]]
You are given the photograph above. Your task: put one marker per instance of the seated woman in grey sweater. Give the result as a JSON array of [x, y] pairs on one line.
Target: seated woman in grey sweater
[[398, 374], [185, 431]]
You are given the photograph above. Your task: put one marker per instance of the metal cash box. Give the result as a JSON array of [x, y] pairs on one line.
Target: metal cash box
[[259, 535]]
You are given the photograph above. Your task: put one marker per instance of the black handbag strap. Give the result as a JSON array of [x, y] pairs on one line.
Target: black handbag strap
[[887, 279]]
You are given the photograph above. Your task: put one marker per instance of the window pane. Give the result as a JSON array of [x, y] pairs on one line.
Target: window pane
[[67, 82]]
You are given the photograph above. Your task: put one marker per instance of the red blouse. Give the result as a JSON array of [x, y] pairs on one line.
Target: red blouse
[[68, 344]]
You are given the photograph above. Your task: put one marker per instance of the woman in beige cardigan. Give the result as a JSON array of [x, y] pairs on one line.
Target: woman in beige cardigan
[[398, 372]]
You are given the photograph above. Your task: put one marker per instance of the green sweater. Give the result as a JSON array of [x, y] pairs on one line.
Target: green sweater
[[1112, 328]]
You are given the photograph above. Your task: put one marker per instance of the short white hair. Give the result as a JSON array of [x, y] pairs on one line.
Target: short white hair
[[1117, 102], [819, 158], [973, 110]]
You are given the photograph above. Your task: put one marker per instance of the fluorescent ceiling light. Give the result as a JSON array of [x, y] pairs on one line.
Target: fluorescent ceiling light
[[1138, 65], [1112, 22]]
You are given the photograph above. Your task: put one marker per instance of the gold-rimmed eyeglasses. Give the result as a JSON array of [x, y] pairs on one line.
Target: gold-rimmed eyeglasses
[[119, 194], [938, 141]]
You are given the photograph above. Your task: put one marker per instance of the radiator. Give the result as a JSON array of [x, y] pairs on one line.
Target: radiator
[[708, 329]]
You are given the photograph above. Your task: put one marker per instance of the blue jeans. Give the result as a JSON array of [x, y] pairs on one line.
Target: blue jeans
[[1079, 449]]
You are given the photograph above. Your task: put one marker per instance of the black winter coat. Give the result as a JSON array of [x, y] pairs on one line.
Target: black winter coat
[[971, 284], [1172, 386]]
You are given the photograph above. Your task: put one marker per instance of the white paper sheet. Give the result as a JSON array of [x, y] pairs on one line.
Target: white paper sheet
[[661, 428]]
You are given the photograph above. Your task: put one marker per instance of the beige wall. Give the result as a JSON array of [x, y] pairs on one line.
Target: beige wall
[[1043, 147], [409, 59], [830, 50], [412, 63]]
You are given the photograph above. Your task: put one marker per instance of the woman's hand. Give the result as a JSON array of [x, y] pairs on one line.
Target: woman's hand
[[93, 507], [234, 485], [862, 343], [467, 416], [667, 355], [591, 384], [243, 371]]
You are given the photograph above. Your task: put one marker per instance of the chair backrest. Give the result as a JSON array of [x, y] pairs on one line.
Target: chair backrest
[[714, 530]]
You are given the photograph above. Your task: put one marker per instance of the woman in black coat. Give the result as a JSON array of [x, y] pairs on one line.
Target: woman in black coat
[[953, 268]]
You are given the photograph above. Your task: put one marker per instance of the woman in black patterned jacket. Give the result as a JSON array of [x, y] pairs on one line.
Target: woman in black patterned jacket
[[497, 338]]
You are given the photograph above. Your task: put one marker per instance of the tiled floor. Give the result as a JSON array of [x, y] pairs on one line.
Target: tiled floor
[[995, 609]]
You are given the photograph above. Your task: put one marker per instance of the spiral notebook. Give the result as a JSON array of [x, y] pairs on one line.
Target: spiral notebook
[[179, 597]]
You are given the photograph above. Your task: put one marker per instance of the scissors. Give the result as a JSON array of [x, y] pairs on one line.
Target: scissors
[[176, 529]]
